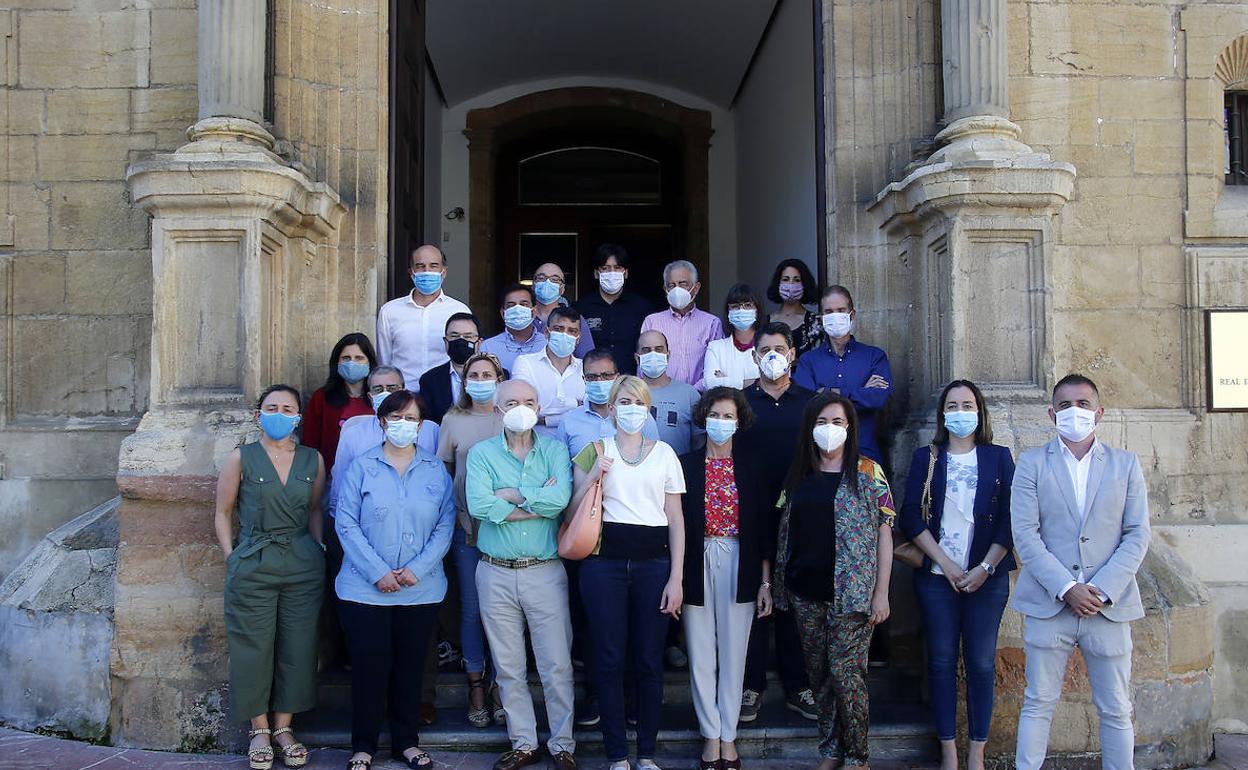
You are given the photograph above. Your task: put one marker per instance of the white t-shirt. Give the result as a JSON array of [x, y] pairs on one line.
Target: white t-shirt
[[957, 520], [634, 494], [737, 366]]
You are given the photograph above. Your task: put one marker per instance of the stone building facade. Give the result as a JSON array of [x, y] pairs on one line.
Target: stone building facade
[[1014, 189]]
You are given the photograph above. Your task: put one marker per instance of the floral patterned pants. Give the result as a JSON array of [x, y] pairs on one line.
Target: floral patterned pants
[[835, 648]]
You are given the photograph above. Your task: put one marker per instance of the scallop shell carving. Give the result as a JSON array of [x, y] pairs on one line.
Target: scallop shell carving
[[1232, 66]]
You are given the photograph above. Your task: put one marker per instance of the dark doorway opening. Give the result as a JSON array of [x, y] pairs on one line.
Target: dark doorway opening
[[406, 185]]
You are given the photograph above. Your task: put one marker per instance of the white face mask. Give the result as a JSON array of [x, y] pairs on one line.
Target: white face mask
[[612, 282], [774, 365], [678, 297], [631, 418], [829, 437], [837, 324], [519, 419], [1075, 424]]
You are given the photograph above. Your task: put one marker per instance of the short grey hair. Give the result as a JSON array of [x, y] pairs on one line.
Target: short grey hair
[[386, 369], [680, 264]]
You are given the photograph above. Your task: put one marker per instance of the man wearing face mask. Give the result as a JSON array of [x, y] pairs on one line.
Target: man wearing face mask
[[777, 403], [442, 385], [549, 286], [672, 401], [613, 314], [555, 373], [1079, 513], [410, 328], [519, 336], [592, 421], [518, 485], [843, 365], [688, 329]]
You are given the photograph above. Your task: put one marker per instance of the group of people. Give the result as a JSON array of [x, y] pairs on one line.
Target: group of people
[[743, 495]]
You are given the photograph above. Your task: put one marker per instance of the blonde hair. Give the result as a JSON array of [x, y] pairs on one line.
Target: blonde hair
[[634, 386], [464, 404]]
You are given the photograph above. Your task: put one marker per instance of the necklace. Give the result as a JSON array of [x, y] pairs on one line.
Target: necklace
[[641, 453]]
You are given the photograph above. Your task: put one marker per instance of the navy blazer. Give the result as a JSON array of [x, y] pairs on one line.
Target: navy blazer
[[435, 389], [992, 501]]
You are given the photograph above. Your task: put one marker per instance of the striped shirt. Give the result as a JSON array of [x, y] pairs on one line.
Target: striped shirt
[[687, 338]]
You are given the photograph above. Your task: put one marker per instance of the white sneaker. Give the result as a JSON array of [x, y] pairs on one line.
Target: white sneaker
[[749, 706]]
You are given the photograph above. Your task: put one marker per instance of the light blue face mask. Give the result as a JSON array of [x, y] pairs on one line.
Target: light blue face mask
[[547, 291], [427, 282], [518, 317], [561, 344], [598, 391], [652, 364], [961, 424], [631, 418], [719, 430], [742, 318], [377, 398], [352, 371], [277, 425], [402, 433], [481, 391]]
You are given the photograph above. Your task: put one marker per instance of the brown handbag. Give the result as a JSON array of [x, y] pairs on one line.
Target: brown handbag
[[907, 552], [579, 534]]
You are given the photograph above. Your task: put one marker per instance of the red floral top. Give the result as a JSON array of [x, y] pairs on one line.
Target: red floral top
[[722, 512]]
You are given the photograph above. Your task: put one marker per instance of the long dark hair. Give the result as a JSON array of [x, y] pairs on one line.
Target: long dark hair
[[335, 387], [983, 431], [810, 289], [806, 454]]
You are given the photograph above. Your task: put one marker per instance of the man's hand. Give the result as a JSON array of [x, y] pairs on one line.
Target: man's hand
[[510, 494], [1083, 601], [550, 482], [519, 515], [876, 381], [764, 604], [404, 576]]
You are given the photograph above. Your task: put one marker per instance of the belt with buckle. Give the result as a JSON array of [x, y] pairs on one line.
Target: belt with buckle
[[515, 563]]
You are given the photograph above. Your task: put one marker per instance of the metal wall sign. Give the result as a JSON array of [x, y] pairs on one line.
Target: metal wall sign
[[1226, 360]]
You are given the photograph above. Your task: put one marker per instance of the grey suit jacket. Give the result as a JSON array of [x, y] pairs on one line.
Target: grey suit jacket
[[1055, 542]]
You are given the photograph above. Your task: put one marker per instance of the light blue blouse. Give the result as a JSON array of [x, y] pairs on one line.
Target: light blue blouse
[[386, 522]]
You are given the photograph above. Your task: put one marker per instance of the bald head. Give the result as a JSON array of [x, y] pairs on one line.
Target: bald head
[[548, 270], [427, 258], [651, 342], [512, 393]]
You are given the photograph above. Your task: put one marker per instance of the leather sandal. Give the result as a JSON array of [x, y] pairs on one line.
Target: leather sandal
[[260, 758], [483, 716], [419, 761], [294, 754]]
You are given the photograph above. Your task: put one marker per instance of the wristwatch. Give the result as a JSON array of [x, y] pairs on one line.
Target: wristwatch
[[991, 570]]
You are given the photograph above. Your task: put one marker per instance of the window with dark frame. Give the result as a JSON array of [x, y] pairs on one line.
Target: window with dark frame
[[1236, 128]]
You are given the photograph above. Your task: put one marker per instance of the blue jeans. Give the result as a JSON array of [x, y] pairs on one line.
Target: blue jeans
[[971, 621], [625, 613], [471, 632]]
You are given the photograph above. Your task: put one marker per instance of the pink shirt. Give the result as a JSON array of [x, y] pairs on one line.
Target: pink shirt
[[687, 338]]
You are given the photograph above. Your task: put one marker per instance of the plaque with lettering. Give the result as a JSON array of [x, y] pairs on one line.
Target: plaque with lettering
[[1226, 360]]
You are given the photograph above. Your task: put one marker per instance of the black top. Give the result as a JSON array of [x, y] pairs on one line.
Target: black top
[[435, 389], [755, 523], [811, 571], [632, 541], [774, 434], [616, 325]]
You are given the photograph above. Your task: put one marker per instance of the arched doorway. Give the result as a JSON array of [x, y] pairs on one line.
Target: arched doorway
[[555, 173]]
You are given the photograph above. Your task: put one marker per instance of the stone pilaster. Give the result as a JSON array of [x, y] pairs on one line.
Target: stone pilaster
[[231, 73]]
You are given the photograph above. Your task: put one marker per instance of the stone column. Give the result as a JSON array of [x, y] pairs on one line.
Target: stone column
[[232, 39]]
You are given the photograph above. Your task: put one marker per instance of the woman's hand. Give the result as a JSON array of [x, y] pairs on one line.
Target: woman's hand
[[764, 602], [973, 580], [953, 573], [405, 577], [388, 584], [673, 598], [600, 467], [879, 609]]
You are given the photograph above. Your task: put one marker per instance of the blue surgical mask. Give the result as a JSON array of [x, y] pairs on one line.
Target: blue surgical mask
[[547, 291], [631, 418], [598, 391], [402, 433], [518, 317], [481, 391], [377, 398], [961, 424], [277, 425], [742, 318], [427, 282], [352, 371], [719, 431], [652, 364], [561, 344]]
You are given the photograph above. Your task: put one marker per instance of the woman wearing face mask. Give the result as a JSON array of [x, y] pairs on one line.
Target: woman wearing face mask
[[729, 542], [343, 396], [274, 576], [957, 511], [793, 287], [730, 361], [471, 420], [396, 510], [636, 574], [834, 556]]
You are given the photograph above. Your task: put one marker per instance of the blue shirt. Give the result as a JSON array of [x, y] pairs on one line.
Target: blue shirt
[[386, 522], [822, 368], [492, 466], [362, 433], [583, 425], [507, 348]]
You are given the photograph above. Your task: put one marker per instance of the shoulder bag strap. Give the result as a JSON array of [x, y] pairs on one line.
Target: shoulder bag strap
[[925, 501]]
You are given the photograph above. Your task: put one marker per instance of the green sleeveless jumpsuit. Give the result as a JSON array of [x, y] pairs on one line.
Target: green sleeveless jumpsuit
[[273, 584]]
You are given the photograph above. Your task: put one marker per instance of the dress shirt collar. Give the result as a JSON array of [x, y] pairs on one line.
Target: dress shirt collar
[[411, 300], [574, 364], [683, 316], [1070, 456], [849, 346]]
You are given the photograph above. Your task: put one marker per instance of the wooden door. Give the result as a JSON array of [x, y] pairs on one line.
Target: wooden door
[[407, 134]]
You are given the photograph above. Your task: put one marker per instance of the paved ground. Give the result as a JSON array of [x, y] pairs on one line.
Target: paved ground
[[25, 751]]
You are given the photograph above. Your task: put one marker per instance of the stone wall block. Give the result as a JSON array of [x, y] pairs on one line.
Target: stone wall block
[[174, 47], [84, 50], [89, 111], [89, 157], [106, 283], [1089, 39], [1191, 639], [88, 214], [38, 284], [22, 161], [26, 112], [165, 112], [93, 374]]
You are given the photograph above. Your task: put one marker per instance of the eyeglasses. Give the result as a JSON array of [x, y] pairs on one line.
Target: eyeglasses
[[539, 277], [470, 336], [385, 389], [601, 377], [403, 418]]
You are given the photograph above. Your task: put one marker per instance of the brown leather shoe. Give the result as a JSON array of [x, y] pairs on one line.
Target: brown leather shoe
[[563, 761], [516, 759]]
